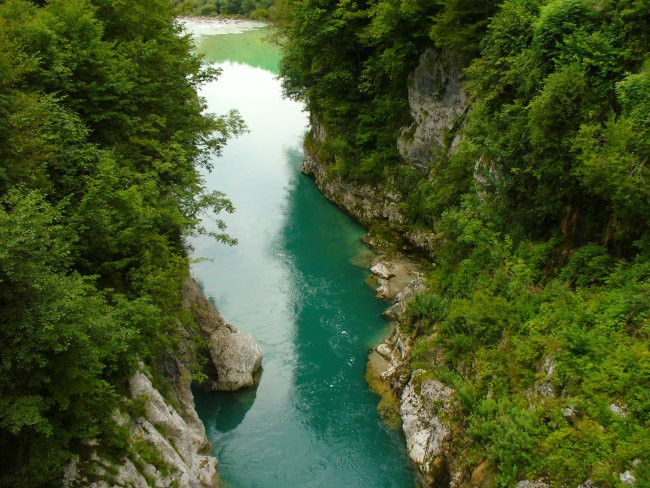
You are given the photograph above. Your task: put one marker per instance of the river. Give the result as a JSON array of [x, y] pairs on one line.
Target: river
[[292, 283]]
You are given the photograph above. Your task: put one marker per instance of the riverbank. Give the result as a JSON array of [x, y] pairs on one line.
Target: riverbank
[[167, 442], [205, 26]]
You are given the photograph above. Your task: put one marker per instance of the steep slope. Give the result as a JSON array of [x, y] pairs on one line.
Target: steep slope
[[524, 361]]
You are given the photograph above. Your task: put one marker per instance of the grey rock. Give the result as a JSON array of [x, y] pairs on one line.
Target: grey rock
[[236, 356], [424, 406], [436, 99]]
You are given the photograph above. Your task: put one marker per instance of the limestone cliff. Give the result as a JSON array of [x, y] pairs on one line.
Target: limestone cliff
[[167, 443], [437, 102]]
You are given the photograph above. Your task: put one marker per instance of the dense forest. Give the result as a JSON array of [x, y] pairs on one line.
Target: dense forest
[[102, 138], [540, 207], [256, 9], [539, 203]]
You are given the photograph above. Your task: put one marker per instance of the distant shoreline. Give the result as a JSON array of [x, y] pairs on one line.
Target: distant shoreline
[[201, 26]]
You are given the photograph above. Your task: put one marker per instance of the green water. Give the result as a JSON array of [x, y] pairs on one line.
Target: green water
[[311, 422]]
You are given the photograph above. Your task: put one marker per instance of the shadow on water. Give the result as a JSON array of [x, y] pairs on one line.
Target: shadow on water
[[291, 283], [223, 411], [337, 322]]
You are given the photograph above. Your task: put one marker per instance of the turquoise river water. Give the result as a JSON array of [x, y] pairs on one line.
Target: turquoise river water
[[292, 284]]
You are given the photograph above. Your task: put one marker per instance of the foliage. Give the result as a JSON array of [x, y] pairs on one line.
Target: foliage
[[255, 9], [350, 61], [102, 132], [538, 311]]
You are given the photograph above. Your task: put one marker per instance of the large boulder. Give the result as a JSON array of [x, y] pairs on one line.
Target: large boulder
[[236, 357]]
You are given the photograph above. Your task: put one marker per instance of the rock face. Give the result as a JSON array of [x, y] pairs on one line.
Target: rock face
[[234, 354], [425, 405], [167, 448], [436, 100], [363, 202]]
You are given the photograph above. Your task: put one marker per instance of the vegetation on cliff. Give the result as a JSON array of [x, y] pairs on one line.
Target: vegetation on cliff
[[538, 310], [102, 132]]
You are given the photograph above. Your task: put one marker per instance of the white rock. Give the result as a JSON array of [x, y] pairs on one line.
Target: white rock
[[384, 351], [627, 478], [570, 412], [236, 356], [422, 409], [382, 270], [532, 484], [546, 388], [620, 410]]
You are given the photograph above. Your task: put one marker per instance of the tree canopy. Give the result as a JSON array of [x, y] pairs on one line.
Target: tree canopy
[[103, 135], [539, 212]]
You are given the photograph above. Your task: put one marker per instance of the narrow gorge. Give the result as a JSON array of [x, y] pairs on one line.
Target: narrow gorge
[[295, 280], [373, 243]]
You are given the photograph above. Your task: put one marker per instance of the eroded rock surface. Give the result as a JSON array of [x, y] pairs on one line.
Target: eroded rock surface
[[168, 448], [425, 406]]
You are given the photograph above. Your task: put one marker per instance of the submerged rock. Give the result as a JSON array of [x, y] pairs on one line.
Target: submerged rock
[[389, 404]]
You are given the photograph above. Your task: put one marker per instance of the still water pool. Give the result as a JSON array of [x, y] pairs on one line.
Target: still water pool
[[290, 282]]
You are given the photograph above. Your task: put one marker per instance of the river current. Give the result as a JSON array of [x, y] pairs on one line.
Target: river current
[[292, 283]]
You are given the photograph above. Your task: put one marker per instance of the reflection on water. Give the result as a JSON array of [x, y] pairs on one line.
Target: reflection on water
[[289, 282], [226, 410]]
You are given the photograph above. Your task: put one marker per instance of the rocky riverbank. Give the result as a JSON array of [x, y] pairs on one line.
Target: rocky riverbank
[[412, 398], [424, 402], [167, 444]]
